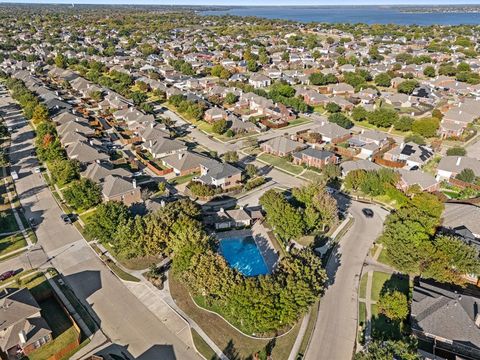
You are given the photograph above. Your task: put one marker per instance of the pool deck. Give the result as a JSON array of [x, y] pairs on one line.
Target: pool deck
[[259, 234]]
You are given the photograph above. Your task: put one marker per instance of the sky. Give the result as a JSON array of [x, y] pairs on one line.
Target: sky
[[254, 2]]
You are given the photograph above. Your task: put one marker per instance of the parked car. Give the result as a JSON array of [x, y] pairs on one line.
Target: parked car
[[367, 212], [37, 170], [32, 221], [66, 218], [7, 275]]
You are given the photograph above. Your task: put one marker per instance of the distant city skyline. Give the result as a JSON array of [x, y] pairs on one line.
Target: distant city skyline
[[254, 3]]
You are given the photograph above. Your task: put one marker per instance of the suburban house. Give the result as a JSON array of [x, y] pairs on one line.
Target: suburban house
[[240, 127], [425, 181], [340, 89], [98, 171], [462, 220], [259, 81], [115, 188], [185, 162], [228, 219], [368, 142], [447, 319], [361, 164], [163, 147], [451, 166], [219, 174], [281, 146], [215, 114], [410, 153], [22, 329], [314, 158], [328, 132], [85, 153], [456, 120]]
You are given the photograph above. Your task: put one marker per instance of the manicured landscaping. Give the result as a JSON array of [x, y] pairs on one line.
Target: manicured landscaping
[[281, 163], [11, 243], [201, 346], [363, 286], [178, 180], [226, 337], [388, 282], [298, 121]]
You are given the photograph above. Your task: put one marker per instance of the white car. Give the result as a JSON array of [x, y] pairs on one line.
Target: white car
[[37, 170]]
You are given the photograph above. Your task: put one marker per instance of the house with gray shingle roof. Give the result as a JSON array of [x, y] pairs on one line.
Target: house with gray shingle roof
[[22, 327], [447, 318], [281, 146], [219, 174], [116, 188], [314, 158], [451, 166]]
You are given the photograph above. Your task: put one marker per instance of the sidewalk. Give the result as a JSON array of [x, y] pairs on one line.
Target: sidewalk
[[14, 210]]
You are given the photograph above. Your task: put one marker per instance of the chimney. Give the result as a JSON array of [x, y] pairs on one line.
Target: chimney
[[459, 160], [152, 125], [134, 183], [22, 336], [150, 142], [76, 119], [162, 203], [180, 155]]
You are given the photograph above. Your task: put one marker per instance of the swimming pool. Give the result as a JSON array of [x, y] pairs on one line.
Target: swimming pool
[[243, 255]]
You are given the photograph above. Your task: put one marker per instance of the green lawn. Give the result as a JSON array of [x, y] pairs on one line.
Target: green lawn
[[86, 216], [383, 281], [281, 163], [63, 331], [11, 243], [384, 259], [202, 347], [363, 286], [362, 313], [182, 179], [298, 121], [312, 175], [8, 222]]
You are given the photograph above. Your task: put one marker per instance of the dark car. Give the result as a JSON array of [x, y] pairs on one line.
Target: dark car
[[66, 218], [7, 275], [367, 212]]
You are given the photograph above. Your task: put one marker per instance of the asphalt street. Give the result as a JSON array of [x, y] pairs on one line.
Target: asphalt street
[[124, 319], [336, 328]]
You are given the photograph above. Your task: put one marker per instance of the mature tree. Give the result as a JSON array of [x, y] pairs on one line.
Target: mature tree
[[230, 157], [83, 194], [220, 126], [359, 113], [429, 71], [456, 151], [251, 170], [40, 113], [394, 305], [108, 217], [64, 171], [383, 79], [382, 117], [426, 127], [467, 175], [403, 123], [332, 107], [407, 86], [341, 120], [416, 138], [230, 98], [285, 220], [405, 349]]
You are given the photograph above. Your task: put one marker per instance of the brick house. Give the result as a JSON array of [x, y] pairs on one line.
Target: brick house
[[314, 158]]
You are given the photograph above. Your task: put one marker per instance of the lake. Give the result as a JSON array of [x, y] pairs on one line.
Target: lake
[[351, 14]]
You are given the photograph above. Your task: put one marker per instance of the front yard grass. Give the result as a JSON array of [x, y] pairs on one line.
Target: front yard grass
[[298, 121], [363, 286], [178, 180], [201, 346], [11, 243], [313, 176], [383, 281], [8, 222], [281, 163], [227, 338]]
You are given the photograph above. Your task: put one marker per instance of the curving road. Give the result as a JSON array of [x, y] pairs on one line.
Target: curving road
[[335, 331]]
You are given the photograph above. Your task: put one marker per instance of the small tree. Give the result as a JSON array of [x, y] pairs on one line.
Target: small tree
[[407, 86], [331, 107], [220, 126], [394, 305], [456, 151], [341, 120], [251, 170], [467, 175]]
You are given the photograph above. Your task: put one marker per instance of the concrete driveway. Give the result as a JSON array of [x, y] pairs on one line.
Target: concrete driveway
[[123, 318], [336, 328]]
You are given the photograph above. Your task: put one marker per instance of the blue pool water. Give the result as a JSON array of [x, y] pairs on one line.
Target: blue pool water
[[243, 255]]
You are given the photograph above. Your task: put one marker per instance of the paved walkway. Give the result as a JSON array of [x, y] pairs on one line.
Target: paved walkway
[[14, 210], [300, 336]]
